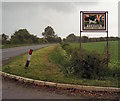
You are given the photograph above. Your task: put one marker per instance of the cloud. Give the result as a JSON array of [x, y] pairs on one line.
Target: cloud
[[66, 7], [62, 16]]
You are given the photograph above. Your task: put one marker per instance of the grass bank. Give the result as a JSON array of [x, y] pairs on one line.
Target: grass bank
[[59, 57], [40, 66], [48, 64]]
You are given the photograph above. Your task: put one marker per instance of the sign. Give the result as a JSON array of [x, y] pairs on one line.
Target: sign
[[94, 21]]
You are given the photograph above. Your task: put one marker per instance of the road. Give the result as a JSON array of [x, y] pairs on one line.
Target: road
[[12, 52], [13, 90]]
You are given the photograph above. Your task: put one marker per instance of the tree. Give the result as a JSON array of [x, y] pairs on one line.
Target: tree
[[4, 38], [50, 35], [22, 36], [84, 39], [42, 40], [72, 38], [48, 32]]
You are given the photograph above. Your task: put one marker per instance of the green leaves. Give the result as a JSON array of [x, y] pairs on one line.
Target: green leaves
[[50, 36]]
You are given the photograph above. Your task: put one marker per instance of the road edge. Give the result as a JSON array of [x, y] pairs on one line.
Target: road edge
[[59, 85]]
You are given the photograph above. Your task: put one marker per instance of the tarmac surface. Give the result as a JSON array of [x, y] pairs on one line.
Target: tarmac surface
[[12, 52], [13, 90]]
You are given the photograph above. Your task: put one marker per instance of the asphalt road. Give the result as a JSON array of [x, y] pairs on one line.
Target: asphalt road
[[12, 52], [13, 90]]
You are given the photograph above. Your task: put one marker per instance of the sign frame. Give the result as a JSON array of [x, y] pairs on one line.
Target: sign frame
[[95, 13], [93, 30]]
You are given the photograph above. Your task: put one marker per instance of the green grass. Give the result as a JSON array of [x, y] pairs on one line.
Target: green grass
[[59, 57], [99, 47], [40, 66], [43, 67]]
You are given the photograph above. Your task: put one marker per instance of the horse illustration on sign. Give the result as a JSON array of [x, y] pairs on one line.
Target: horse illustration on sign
[[94, 21]]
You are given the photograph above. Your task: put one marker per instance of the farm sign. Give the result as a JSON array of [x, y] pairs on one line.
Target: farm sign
[[93, 21]]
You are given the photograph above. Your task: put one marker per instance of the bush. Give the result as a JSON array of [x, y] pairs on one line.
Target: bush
[[90, 65], [114, 69], [66, 47]]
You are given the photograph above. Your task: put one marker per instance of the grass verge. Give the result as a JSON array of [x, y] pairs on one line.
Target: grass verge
[[47, 64]]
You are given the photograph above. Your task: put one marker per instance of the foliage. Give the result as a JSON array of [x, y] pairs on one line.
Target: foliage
[[50, 36], [5, 39], [54, 39], [114, 69], [73, 38], [23, 36], [67, 47], [48, 32], [42, 40], [71, 66], [91, 65], [85, 39]]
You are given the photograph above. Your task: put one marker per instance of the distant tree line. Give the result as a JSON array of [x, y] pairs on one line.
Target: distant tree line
[[74, 38], [22, 36]]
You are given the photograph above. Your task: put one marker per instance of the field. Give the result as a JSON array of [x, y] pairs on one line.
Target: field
[[43, 66], [100, 46]]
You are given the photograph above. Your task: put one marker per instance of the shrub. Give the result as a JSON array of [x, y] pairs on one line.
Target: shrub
[[90, 65], [114, 69], [68, 48]]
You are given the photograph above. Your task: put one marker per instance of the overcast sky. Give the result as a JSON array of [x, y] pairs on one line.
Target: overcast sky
[[62, 16]]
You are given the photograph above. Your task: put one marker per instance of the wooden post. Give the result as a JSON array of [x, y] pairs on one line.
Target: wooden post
[[80, 37], [107, 41]]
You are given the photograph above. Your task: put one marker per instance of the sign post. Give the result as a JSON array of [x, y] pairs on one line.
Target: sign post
[[80, 37], [94, 21], [107, 40]]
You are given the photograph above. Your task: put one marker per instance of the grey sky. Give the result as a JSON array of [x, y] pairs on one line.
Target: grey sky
[[62, 16]]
